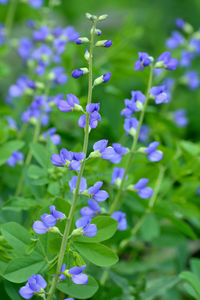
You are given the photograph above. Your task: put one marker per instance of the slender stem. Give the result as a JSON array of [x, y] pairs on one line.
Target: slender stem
[[10, 16], [76, 193], [116, 201]]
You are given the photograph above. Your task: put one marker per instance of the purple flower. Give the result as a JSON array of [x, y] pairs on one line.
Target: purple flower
[[48, 221], [16, 157], [153, 154], [2, 34], [97, 194], [180, 23], [73, 181], [88, 229], [91, 210], [165, 60], [198, 191], [175, 40], [77, 73], [55, 138], [144, 133], [70, 104], [180, 118], [191, 78], [68, 158], [194, 45], [35, 3], [34, 285], [144, 61], [135, 104], [11, 123], [93, 110], [120, 217], [100, 145], [3, 1], [186, 58], [130, 126], [143, 191], [59, 77], [106, 77], [160, 94], [41, 34], [75, 274], [113, 154], [108, 44], [117, 175], [25, 47]]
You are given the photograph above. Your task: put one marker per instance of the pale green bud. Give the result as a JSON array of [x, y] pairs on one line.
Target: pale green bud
[[95, 154], [103, 17], [130, 187], [85, 70], [139, 105], [54, 230], [77, 107], [100, 43], [98, 80], [160, 64], [132, 132], [33, 121], [141, 149], [40, 85], [90, 17], [77, 232], [82, 40]]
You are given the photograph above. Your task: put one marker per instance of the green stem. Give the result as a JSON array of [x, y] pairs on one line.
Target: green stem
[[76, 194], [116, 201], [10, 16]]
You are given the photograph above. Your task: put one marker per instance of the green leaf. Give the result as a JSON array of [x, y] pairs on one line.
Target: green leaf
[[190, 147], [41, 155], [11, 290], [7, 149], [36, 172], [98, 254], [150, 228], [106, 228], [17, 236], [195, 266], [19, 269], [193, 280], [77, 290]]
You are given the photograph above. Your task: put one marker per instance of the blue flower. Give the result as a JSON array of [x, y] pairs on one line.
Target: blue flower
[[25, 48], [144, 61], [3, 1], [180, 118], [48, 221], [180, 23], [55, 138], [35, 284], [91, 210], [117, 175], [97, 194], [94, 118], [194, 45], [175, 40], [59, 77], [69, 105], [141, 189], [120, 217], [69, 159], [160, 94], [11, 123], [153, 154], [191, 79], [108, 44], [41, 34], [79, 72], [16, 157], [135, 104], [165, 60], [106, 77], [144, 133], [75, 274], [35, 3], [88, 229], [73, 181], [186, 58], [131, 126]]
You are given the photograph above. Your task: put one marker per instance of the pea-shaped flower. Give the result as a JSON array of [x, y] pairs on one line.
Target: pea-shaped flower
[[95, 193], [72, 103], [84, 227], [165, 61], [91, 210], [73, 182], [131, 126], [36, 284], [75, 274], [160, 94], [120, 217], [72, 160], [141, 189], [135, 104], [16, 158], [144, 61], [94, 118], [180, 117], [175, 40], [117, 175], [153, 154]]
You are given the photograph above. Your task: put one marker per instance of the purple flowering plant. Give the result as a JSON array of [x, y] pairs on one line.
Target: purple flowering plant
[[90, 205]]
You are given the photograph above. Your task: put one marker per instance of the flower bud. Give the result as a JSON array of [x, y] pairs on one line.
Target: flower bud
[[103, 17], [98, 32], [54, 230], [82, 40], [130, 187], [79, 72], [39, 85], [77, 232], [160, 64], [87, 55], [141, 149], [90, 17], [104, 43], [95, 154], [77, 107], [102, 79], [132, 132]]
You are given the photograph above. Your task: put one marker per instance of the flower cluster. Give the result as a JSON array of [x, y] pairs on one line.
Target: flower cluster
[[69, 159], [48, 221], [35, 285], [76, 274], [16, 158]]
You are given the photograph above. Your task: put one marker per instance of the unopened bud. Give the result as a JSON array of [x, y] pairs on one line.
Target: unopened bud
[[103, 17], [82, 40], [87, 55]]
